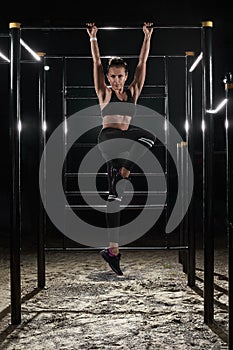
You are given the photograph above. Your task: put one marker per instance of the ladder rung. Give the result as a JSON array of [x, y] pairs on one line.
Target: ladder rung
[[130, 206], [140, 193], [148, 96], [86, 144], [92, 86], [105, 174]]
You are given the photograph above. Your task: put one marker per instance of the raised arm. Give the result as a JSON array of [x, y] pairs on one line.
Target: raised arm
[[140, 72], [98, 73]]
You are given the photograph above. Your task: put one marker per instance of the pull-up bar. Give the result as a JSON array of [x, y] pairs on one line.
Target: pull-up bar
[[108, 28]]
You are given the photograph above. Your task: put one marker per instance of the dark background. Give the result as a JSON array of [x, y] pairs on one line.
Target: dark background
[[173, 42]]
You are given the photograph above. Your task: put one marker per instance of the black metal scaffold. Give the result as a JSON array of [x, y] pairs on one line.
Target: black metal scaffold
[[189, 260]]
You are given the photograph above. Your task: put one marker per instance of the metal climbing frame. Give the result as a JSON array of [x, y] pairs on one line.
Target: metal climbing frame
[[206, 56], [15, 168], [73, 195]]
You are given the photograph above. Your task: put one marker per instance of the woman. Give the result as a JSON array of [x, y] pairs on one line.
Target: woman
[[117, 106]]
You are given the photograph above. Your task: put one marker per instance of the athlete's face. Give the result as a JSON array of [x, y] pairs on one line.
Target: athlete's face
[[117, 77]]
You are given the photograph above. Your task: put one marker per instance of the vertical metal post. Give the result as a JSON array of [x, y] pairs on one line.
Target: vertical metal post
[[64, 137], [178, 156], [167, 140], [181, 226], [229, 198], [184, 162], [15, 209], [208, 151], [42, 140], [190, 141]]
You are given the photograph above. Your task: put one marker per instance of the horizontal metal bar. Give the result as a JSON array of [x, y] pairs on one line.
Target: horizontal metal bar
[[92, 86], [74, 193], [142, 97], [84, 144], [105, 174], [81, 98], [107, 57], [28, 61], [23, 61], [122, 248], [108, 28], [77, 193], [128, 56], [84, 174], [130, 206]]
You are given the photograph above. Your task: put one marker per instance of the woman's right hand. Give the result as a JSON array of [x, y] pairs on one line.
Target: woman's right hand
[[92, 30], [148, 28]]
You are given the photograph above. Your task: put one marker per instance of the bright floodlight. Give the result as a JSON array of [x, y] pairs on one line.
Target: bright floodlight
[[195, 63], [4, 57], [33, 53], [221, 105]]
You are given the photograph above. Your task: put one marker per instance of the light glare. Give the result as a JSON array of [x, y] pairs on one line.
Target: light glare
[[33, 53], [4, 57], [221, 105], [44, 126], [65, 128], [195, 63], [203, 125], [19, 126]]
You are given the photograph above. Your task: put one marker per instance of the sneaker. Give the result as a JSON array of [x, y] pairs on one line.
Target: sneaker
[[114, 197], [113, 261]]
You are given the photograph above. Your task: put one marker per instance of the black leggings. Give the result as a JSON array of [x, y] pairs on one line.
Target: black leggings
[[117, 153], [122, 154]]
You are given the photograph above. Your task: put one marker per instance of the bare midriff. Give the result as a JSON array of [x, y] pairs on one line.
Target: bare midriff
[[116, 121]]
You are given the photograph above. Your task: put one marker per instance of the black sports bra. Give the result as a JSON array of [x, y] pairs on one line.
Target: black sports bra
[[116, 106]]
